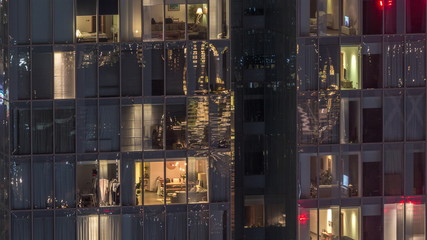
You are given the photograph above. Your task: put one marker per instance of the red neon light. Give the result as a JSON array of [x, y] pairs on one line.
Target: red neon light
[[381, 3], [303, 218]]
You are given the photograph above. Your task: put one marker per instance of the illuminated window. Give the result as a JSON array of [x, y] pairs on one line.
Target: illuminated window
[[64, 74], [254, 211], [104, 28], [350, 68]]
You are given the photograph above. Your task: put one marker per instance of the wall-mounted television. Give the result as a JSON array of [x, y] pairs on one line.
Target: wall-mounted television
[[347, 21]]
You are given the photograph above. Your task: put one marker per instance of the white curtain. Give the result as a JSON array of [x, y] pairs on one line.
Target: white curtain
[[110, 227], [87, 227]]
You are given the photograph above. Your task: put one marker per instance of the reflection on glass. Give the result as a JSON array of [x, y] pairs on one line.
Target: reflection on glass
[[415, 59], [198, 120], [218, 68], [329, 120], [197, 68], [198, 178], [198, 222], [109, 70], [372, 64], [220, 121], [307, 111], [176, 71], [131, 131], [153, 69], [19, 71], [64, 74], [394, 59], [20, 178], [131, 69]]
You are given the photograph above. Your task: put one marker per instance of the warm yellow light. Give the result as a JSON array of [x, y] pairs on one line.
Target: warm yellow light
[[199, 11]]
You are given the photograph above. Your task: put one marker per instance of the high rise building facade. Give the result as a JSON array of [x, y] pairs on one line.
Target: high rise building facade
[[116, 120], [361, 92], [355, 72]]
